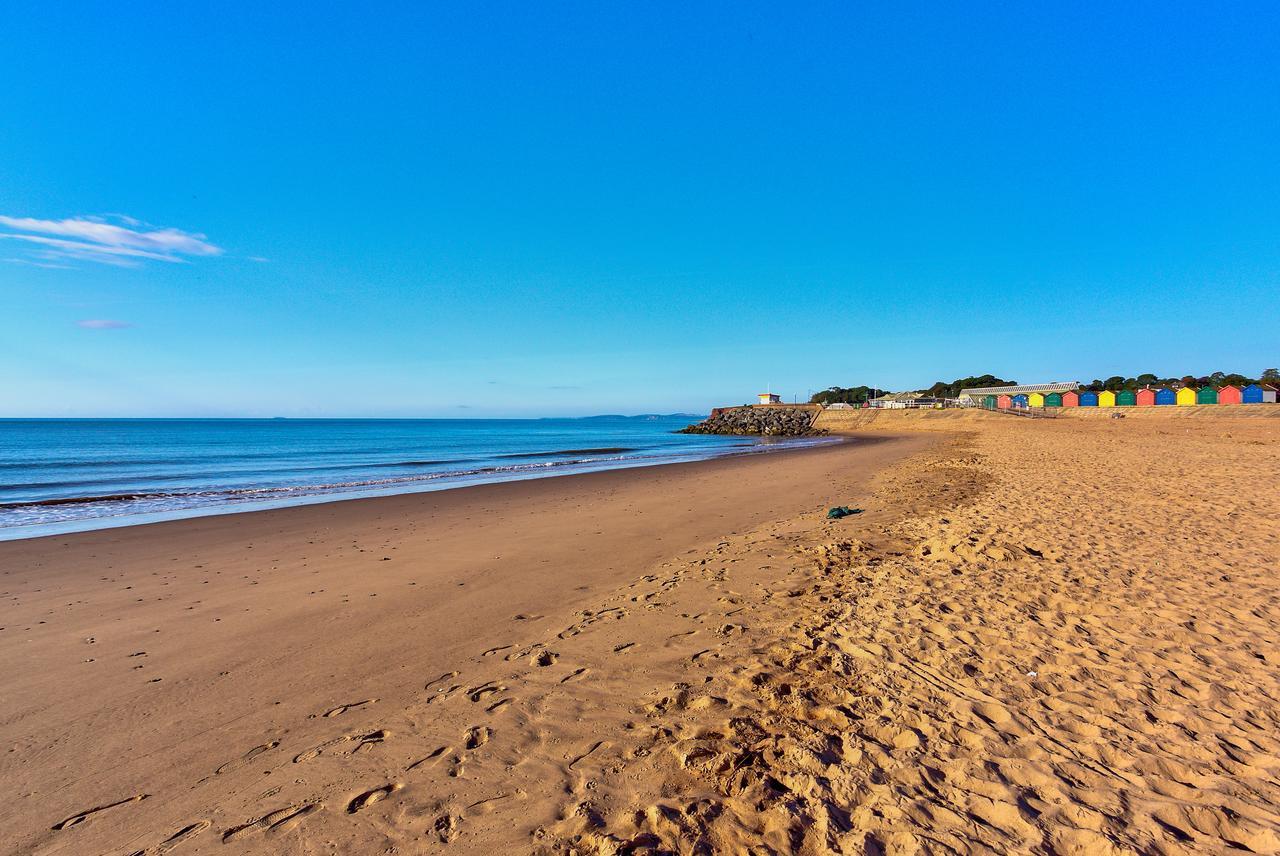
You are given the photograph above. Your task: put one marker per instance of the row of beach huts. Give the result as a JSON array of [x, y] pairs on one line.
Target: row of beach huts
[[1164, 396]]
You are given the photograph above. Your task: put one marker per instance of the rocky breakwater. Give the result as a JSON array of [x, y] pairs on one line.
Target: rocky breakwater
[[762, 421]]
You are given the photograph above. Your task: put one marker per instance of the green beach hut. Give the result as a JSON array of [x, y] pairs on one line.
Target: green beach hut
[[1053, 399], [1206, 395], [1126, 398], [989, 402]]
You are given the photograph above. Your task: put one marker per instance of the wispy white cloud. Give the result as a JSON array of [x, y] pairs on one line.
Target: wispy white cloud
[[36, 263], [102, 324], [115, 240]]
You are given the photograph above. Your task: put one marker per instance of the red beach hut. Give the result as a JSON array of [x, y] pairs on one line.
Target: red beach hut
[[1070, 399], [1004, 402], [1230, 395], [1146, 397]]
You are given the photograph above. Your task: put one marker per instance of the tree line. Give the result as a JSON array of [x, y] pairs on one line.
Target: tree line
[[1217, 379], [943, 389]]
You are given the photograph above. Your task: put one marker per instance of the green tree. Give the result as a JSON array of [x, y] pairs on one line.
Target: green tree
[[942, 389], [846, 395]]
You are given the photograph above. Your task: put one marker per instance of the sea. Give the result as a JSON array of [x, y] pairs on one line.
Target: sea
[[68, 475]]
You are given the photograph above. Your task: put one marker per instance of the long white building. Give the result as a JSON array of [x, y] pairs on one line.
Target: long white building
[[1019, 389]]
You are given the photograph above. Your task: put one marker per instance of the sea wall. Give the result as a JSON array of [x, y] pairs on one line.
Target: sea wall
[[852, 420], [1194, 411], [766, 420]]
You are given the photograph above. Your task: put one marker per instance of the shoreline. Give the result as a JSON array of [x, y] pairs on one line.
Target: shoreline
[[407, 487]]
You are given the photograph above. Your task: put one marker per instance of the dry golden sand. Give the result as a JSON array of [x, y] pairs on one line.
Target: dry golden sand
[[1050, 637], [1041, 636]]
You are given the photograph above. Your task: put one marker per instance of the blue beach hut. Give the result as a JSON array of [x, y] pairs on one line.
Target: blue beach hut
[[1088, 399], [1021, 400], [1166, 396], [1252, 394]]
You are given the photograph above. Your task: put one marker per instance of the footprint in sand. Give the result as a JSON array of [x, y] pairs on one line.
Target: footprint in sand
[[316, 750], [618, 649], [343, 708], [446, 828], [280, 820], [574, 675], [368, 798], [441, 695], [246, 757], [477, 737], [478, 693], [371, 739], [446, 676], [493, 651], [81, 817], [430, 760], [546, 658], [182, 835]]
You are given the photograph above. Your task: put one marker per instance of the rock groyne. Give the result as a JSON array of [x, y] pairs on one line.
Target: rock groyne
[[768, 421]]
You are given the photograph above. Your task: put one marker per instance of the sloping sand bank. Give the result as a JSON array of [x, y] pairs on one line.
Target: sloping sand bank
[[1042, 636]]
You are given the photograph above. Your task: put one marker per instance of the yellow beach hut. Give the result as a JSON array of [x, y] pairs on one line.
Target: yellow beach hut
[[1106, 398], [1035, 399], [1186, 396]]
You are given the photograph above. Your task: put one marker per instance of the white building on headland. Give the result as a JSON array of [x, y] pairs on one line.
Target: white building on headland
[[769, 398]]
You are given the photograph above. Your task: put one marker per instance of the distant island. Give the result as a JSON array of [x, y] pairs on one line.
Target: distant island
[[643, 417]]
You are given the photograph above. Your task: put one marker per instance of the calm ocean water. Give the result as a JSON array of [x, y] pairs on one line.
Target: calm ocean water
[[68, 475]]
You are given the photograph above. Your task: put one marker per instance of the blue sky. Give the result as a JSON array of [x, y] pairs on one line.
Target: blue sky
[[542, 209]]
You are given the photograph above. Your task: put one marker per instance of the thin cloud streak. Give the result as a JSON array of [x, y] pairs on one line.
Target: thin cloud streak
[[103, 324], [39, 264], [95, 239]]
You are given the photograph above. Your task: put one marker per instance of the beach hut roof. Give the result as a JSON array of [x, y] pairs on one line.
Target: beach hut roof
[[1021, 388]]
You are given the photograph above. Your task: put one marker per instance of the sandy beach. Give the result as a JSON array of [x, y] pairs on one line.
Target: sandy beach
[[1039, 636], [217, 670]]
